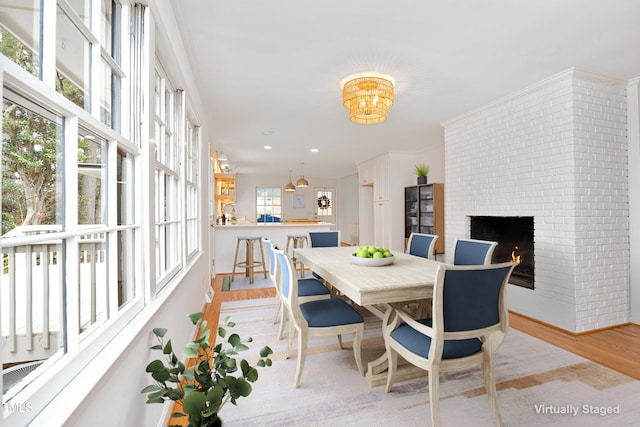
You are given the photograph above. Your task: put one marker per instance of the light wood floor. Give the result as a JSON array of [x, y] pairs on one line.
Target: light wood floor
[[617, 348]]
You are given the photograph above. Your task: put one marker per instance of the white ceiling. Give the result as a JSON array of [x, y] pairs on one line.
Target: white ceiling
[[275, 67]]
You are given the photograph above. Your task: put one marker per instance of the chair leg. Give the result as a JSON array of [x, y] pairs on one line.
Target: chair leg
[[302, 355], [235, 261], [434, 395], [250, 263], [391, 369], [340, 341], [283, 320], [264, 266], [292, 330], [357, 346], [490, 384], [278, 309]]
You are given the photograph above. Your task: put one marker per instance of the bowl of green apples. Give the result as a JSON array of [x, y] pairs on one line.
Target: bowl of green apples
[[372, 256]]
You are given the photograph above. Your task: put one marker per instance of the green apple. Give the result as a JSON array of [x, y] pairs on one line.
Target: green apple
[[378, 254], [387, 254]]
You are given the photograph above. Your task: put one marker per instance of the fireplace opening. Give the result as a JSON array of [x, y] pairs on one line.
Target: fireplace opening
[[515, 243]]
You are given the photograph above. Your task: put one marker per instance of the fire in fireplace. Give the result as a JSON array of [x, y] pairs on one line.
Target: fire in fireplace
[[515, 243]]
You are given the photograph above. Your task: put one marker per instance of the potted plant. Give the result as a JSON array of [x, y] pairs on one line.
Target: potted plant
[[207, 384], [421, 171]]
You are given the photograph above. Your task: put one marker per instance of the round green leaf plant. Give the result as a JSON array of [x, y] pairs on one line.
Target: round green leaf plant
[[213, 378]]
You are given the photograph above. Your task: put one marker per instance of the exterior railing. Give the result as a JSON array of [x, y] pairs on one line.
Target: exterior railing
[[33, 289]]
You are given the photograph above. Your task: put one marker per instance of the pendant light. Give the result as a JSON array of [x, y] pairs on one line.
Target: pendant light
[[302, 183], [290, 187]]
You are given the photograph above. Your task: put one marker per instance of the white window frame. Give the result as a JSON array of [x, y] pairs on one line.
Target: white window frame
[[79, 349], [62, 367], [258, 205], [168, 116], [130, 138], [192, 188]]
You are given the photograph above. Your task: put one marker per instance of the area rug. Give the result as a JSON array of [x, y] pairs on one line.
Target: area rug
[[538, 385], [242, 283]]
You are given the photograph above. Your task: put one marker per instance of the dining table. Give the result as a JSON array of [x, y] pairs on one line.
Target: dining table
[[379, 289]]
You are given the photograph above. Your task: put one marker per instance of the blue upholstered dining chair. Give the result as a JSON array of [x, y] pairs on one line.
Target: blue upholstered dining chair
[[473, 252], [422, 245], [272, 275], [469, 323], [308, 289], [323, 239], [322, 317]]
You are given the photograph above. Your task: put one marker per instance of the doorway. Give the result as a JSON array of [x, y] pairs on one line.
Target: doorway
[[325, 204]]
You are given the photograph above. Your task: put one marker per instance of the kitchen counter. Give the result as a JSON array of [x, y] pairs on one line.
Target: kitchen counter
[[225, 239]]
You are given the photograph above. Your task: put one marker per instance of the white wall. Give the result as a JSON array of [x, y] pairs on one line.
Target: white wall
[[433, 156], [348, 209], [115, 399], [246, 185], [558, 152]]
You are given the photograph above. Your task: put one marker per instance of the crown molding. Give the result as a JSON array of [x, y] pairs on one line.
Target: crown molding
[[570, 73]]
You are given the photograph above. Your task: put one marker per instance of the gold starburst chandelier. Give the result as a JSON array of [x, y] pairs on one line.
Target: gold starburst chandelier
[[367, 96]]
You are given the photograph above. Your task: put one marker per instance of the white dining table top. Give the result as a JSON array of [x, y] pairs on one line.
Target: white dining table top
[[408, 278]]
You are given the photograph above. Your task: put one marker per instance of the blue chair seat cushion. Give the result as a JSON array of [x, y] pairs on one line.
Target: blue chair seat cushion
[[309, 287], [325, 313], [419, 344]]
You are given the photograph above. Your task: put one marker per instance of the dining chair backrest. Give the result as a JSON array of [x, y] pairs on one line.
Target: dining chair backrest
[[471, 298], [473, 252], [324, 239], [272, 259], [422, 245], [288, 280]]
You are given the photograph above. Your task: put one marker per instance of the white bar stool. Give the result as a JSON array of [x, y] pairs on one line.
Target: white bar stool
[[249, 263], [298, 241]]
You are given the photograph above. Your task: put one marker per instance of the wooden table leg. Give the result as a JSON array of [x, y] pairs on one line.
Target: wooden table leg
[[376, 374]]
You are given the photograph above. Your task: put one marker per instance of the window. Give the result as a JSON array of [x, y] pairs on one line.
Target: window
[[68, 264], [73, 58], [192, 176], [269, 204], [167, 182], [75, 191], [71, 275], [20, 35], [33, 209]]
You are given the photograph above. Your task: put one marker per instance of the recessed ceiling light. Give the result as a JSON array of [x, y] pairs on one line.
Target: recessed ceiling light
[[268, 147], [314, 150]]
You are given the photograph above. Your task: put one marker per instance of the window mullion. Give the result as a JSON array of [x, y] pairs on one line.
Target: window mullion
[[118, 71], [95, 85], [180, 142], [112, 239], [72, 281], [77, 22], [48, 44]]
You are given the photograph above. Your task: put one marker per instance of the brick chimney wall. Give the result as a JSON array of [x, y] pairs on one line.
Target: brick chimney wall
[[556, 151]]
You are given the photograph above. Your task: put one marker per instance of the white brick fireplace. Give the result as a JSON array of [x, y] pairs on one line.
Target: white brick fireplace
[[556, 151]]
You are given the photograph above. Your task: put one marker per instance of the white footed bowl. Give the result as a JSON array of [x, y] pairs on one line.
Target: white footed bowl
[[373, 262]]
